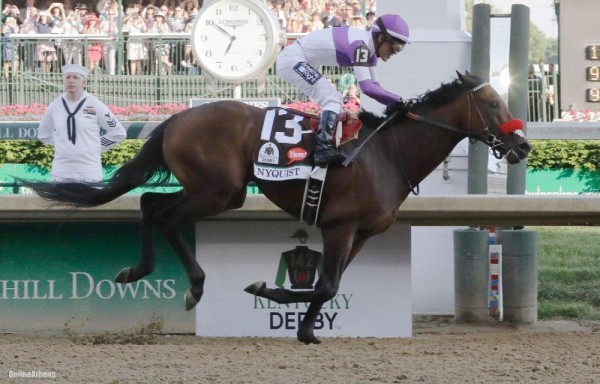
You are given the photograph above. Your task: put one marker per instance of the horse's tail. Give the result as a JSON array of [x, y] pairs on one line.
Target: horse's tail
[[147, 164]]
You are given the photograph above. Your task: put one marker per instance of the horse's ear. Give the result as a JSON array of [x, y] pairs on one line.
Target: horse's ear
[[466, 79]]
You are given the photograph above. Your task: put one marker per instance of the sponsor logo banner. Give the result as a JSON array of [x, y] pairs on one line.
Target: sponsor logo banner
[[373, 299]]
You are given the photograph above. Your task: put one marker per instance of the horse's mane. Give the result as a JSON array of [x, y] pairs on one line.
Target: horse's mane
[[430, 99]]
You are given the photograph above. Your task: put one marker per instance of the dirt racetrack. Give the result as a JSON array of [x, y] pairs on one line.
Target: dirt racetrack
[[440, 352]]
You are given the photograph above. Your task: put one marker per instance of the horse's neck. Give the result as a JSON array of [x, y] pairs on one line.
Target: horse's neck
[[421, 148]]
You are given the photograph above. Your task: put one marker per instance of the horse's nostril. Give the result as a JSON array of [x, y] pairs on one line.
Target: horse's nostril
[[525, 147]]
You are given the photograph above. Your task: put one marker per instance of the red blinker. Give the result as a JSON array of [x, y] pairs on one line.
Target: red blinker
[[511, 126]]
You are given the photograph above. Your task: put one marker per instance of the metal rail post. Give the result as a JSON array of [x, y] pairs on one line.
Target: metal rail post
[[480, 66], [517, 90]]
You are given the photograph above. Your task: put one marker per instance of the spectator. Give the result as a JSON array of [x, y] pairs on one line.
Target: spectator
[[345, 15], [72, 48], [161, 49], [67, 7], [177, 21], [137, 52], [28, 11], [351, 98], [314, 22], [46, 51], [148, 15], [356, 7], [11, 10], [534, 111], [358, 22], [296, 21], [280, 13], [553, 81], [79, 127], [109, 48], [370, 20], [92, 27], [10, 49], [58, 18], [57, 13], [189, 8], [189, 62], [330, 19], [82, 11]]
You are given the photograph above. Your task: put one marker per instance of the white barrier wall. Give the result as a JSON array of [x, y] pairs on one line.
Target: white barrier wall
[[374, 299]]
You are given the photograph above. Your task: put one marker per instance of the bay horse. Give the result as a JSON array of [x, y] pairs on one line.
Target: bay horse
[[210, 150]]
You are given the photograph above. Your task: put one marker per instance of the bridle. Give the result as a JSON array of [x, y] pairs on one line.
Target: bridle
[[487, 136]]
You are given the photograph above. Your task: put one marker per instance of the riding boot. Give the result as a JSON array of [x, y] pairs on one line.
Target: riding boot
[[325, 153]]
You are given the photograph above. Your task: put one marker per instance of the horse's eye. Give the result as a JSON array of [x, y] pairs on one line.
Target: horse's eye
[[495, 104]]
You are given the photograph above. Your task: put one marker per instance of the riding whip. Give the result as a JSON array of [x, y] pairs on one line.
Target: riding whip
[[354, 153]]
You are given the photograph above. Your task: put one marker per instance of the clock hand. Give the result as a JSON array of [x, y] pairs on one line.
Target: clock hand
[[230, 42], [223, 31]]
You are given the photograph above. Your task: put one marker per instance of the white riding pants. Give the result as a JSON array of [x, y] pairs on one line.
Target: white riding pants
[[293, 67]]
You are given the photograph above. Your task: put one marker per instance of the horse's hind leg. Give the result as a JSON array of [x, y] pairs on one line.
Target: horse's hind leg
[[150, 203], [170, 219]]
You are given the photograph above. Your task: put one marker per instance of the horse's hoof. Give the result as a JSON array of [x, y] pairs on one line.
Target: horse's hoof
[[123, 276], [308, 338], [255, 288], [190, 300]]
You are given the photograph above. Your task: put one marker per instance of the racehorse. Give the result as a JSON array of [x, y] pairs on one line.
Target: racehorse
[[210, 150]]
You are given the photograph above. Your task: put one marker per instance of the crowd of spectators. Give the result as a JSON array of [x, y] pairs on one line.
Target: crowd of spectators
[[143, 55]]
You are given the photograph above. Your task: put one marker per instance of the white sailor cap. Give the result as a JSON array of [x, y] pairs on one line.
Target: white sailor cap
[[75, 68]]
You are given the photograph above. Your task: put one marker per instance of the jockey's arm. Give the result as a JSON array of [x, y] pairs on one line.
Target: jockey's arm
[[365, 77]]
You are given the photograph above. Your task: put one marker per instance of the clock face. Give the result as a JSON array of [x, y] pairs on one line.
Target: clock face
[[234, 40]]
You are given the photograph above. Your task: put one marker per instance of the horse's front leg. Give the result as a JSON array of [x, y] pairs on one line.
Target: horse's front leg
[[307, 325], [337, 245], [148, 204]]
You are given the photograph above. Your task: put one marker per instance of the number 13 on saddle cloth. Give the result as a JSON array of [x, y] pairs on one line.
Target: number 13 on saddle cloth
[[287, 139]]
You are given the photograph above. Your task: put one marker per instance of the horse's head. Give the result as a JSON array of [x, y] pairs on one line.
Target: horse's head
[[490, 121]]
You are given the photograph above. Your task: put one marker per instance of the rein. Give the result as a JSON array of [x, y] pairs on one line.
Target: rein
[[487, 137]]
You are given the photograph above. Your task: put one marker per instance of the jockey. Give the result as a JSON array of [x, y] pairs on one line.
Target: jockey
[[346, 47]]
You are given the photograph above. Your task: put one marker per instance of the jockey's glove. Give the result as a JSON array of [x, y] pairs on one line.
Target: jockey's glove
[[396, 105]]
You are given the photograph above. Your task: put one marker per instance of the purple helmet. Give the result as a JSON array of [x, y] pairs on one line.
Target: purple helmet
[[393, 26]]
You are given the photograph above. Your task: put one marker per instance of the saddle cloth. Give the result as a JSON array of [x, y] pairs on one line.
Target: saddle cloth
[[287, 139]]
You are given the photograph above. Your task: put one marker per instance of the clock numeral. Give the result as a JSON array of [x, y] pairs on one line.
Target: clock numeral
[[233, 7], [260, 52], [263, 37], [219, 11], [249, 64], [203, 38], [210, 23], [234, 68], [208, 53], [259, 22], [219, 64]]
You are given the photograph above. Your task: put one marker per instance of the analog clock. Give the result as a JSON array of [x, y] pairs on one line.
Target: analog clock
[[236, 40]]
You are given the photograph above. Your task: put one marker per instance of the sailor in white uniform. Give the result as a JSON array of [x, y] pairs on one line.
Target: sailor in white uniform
[[79, 127], [345, 47]]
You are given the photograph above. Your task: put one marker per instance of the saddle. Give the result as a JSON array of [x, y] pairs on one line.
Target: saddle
[[287, 139], [350, 125]]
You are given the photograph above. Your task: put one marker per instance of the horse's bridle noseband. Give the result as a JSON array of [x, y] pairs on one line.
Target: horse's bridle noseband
[[489, 138]]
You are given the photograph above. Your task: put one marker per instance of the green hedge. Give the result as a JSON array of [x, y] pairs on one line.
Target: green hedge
[[35, 153], [581, 155]]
